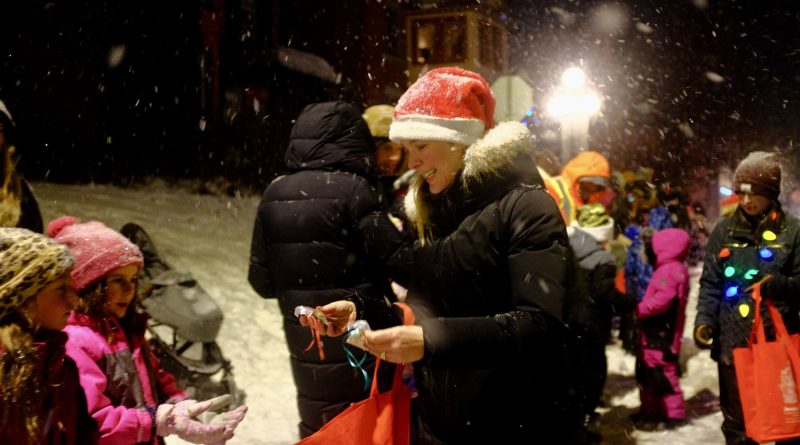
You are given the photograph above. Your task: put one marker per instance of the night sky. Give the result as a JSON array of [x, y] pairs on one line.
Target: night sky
[[727, 71], [110, 92]]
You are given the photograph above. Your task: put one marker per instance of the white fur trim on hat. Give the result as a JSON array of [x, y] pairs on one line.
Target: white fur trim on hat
[[419, 127]]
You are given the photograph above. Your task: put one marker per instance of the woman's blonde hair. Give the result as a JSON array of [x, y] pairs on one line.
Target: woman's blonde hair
[[21, 372]]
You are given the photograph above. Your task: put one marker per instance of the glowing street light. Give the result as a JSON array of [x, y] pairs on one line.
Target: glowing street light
[[573, 104]]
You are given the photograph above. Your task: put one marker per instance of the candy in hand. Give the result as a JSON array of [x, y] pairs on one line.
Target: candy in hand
[[355, 334], [311, 312]]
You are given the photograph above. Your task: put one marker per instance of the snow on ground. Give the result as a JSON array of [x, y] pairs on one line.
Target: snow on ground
[[210, 237]]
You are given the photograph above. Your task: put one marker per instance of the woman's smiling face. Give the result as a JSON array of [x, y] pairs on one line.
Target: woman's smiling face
[[436, 161]]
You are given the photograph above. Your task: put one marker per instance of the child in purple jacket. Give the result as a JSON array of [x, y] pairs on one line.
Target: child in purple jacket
[[661, 316]]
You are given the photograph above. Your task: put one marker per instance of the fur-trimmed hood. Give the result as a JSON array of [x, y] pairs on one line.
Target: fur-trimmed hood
[[495, 163]]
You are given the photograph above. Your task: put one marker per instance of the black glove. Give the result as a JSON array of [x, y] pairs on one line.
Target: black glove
[[703, 336], [774, 288]]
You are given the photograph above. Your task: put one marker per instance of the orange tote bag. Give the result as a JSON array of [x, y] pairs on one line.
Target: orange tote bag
[[768, 374], [382, 419]]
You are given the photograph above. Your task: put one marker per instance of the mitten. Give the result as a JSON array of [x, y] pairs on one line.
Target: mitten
[[229, 418], [177, 419], [703, 336]]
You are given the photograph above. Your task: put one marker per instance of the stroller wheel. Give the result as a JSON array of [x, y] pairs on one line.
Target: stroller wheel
[[153, 264]]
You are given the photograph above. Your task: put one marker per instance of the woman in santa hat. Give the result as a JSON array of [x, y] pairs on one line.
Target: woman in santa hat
[[491, 272]]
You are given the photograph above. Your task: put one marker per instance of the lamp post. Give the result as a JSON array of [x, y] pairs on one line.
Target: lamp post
[[573, 104]]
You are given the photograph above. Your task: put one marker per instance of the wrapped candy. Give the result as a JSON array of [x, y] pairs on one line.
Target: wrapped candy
[[355, 333]]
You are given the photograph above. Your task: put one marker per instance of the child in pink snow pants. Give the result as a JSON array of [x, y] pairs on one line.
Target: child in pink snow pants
[[661, 317]]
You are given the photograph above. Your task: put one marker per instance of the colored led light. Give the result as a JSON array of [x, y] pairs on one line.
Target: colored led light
[[732, 291], [744, 310], [725, 253], [765, 254], [729, 271], [769, 235], [750, 274]]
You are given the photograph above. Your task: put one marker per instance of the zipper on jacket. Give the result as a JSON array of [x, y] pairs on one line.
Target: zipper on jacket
[[737, 245]]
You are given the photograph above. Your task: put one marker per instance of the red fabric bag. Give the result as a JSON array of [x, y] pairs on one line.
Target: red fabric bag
[[768, 374], [382, 419]]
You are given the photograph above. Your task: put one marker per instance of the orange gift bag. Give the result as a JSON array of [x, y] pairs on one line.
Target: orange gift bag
[[382, 419], [768, 374]]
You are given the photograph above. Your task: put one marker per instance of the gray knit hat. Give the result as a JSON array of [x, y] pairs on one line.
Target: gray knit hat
[[760, 174], [29, 261]]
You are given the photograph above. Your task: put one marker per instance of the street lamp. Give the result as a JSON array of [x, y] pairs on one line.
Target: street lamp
[[573, 104]]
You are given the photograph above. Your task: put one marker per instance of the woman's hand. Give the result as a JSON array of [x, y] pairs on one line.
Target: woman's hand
[[339, 314], [399, 344]]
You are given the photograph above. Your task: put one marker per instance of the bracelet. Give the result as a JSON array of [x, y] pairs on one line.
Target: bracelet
[[153, 422]]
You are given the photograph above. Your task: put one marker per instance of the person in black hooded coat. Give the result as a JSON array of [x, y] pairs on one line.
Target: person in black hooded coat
[[320, 236]]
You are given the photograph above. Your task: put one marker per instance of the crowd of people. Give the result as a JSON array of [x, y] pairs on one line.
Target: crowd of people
[[516, 274]]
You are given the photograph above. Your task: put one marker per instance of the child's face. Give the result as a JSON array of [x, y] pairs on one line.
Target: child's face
[[50, 308], [121, 289], [753, 204]]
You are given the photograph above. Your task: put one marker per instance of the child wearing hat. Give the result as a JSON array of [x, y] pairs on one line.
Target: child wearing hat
[[41, 401], [759, 242], [132, 399], [661, 316]]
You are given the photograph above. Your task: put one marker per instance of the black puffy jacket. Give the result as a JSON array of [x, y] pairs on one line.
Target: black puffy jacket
[[319, 237], [490, 298]]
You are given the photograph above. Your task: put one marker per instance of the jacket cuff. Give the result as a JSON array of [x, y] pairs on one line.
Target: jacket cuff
[[147, 422]]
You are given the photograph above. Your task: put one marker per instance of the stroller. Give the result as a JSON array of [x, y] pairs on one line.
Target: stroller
[[183, 327]]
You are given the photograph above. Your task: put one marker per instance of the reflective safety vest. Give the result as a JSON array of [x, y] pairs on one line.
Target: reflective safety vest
[[559, 190]]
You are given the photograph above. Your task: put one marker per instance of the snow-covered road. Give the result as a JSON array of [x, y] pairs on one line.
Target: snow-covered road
[[210, 237]]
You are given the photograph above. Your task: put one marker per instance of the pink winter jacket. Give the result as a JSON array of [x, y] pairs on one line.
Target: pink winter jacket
[[119, 389], [662, 311]]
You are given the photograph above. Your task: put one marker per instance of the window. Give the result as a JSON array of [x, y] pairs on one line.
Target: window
[[440, 40]]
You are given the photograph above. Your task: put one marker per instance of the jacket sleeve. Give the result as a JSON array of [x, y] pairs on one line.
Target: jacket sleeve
[[661, 293], [258, 273], [86, 427], [711, 282], [527, 236], [165, 380], [383, 243], [117, 424], [604, 284], [785, 286]]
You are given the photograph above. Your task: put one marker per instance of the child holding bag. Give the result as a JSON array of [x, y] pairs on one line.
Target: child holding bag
[[129, 395], [41, 400], [759, 242]]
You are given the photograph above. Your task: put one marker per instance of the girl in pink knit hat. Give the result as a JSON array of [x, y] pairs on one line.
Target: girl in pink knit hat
[[132, 399]]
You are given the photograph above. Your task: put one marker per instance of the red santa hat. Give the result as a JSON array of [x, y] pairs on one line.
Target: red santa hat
[[445, 104], [97, 249]]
